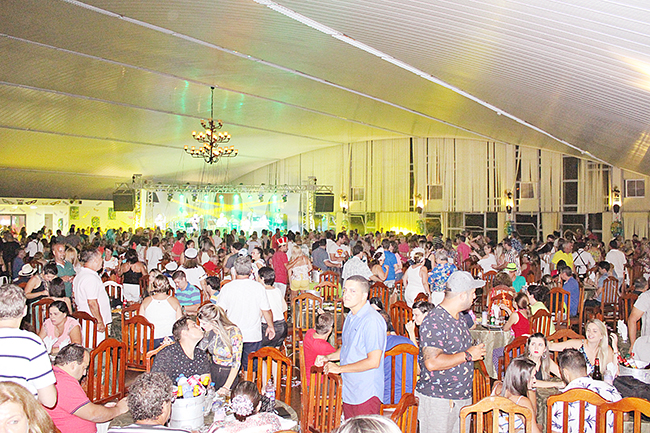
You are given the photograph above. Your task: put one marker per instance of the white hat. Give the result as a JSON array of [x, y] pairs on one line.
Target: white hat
[[191, 253], [417, 250], [27, 270], [171, 266], [462, 281]]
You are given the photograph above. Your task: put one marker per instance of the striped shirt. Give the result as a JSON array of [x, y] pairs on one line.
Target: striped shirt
[[24, 360], [190, 295]]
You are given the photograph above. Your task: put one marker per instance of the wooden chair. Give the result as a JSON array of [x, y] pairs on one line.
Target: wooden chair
[[560, 336], [398, 289], [530, 278], [332, 277], [39, 313], [328, 291], [636, 406], [609, 301], [113, 289], [541, 322], [144, 286], [480, 382], [625, 303], [304, 388], [303, 315], [380, 291], [511, 351], [560, 302], [476, 271], [88, 328], [421, 297], [400, 315], [137, 334], [106, 372], [271, 364], [583, 398], [128, 312], [578, 322], [148, 359], [489, 277], [487, 412], [399, 358], [325, 403], [339, 316], [405, 414]]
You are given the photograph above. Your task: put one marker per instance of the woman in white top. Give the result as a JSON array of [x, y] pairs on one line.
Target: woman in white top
[[59, 329], [416, 277], [194, 273], [161, 309], [488, 262], [299, 271]]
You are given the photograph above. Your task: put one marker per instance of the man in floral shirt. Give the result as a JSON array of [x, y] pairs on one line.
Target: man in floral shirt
[[573, 368], [447, 358]]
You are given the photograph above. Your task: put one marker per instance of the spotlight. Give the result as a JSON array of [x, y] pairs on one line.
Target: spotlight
[[170, 196], [194, 196], [284, 197], [261, 197]]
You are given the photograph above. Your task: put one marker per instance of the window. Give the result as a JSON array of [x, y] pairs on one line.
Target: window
[[434, 192], [526, 190], [634, 188], [357, 194]]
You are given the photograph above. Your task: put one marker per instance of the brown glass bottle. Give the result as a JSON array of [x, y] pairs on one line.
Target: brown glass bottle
[[596, 374]]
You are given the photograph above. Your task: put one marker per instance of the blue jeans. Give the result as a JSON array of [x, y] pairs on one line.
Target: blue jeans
[[248, 349]]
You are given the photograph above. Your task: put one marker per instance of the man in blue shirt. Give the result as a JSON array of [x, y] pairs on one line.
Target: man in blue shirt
[[188, 296], [390, 260], [362, 352], [571, 286]]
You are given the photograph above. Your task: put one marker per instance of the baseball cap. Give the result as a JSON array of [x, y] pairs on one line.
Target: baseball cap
[[191, 253], [462, 281], [511, 267]]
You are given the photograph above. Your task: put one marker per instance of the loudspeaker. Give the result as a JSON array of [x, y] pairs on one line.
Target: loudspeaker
[[123, 202], [323, 203]]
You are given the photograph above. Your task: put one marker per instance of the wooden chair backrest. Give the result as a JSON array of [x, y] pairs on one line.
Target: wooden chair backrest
[[399, 358], [421, 297], [501, 295], [144, 286], [304, 388], [516, 348], [637, 407], [400, 315], [325, 403], [399, 290], [493, 405], [330, 276], [88, 328], [106, 372], [562, 335], [581, 397], [148, 359], [137, 334], [610, 291], [328, 291], [625, 303], [476, 271], [405, 414], [380, 291], [113, 289], [304, 311], [480, 382], [128, 312], [338, 314], [541, 322], [489, 276], [560, 302], [271, 364], [39, 313]]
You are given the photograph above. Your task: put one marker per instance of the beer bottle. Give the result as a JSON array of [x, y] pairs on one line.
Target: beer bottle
[[596, 374]]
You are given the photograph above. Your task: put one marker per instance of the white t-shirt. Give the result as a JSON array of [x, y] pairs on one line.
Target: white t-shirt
[[88, 285], [243, 301], [583, 261], [252, 244], [276, 302], [154, 256], [618, 260], [194, 276], [338, 251], [24, 360], [487, 262], [643, 304], [217, 241]]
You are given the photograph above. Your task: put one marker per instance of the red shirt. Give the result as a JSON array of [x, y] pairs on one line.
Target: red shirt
[[71, 398], [314, 347], [278, 261], [522, 327]]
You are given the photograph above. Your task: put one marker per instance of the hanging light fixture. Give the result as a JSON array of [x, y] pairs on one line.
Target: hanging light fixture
[[210, 141]]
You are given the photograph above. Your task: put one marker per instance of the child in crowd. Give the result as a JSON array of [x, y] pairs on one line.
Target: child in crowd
[[214, 286], [315, 341]]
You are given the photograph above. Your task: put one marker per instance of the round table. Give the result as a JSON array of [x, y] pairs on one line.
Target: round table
[[492, 338]]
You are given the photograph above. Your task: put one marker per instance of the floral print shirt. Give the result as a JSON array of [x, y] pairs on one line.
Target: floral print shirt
[[221, 355], [439, 275], [442, 331]]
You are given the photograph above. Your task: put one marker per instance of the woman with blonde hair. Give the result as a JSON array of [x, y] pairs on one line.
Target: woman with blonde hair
[[594, 347], [416, 277], [160, 308], [72, 257], [224, 342], [299, 271], [21, 411]]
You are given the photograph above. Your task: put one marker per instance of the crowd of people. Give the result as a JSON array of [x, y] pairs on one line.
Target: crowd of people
[[249, 281]]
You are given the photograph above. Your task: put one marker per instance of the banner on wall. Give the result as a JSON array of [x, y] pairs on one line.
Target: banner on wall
[[111, 214], [74, 212]]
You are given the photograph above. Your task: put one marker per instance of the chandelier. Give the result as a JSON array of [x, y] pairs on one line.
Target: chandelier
[[210, 141]]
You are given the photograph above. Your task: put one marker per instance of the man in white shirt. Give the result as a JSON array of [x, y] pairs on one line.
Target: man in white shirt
[[356, 266], [154, 254], [582, 260], [89, 292], [245, 302], [338, 251], [617, 259], [216, 239]]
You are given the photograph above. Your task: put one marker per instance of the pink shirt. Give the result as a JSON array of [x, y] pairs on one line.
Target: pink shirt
[[314, 347], [464, 250], [71, 398], [278, 261]]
